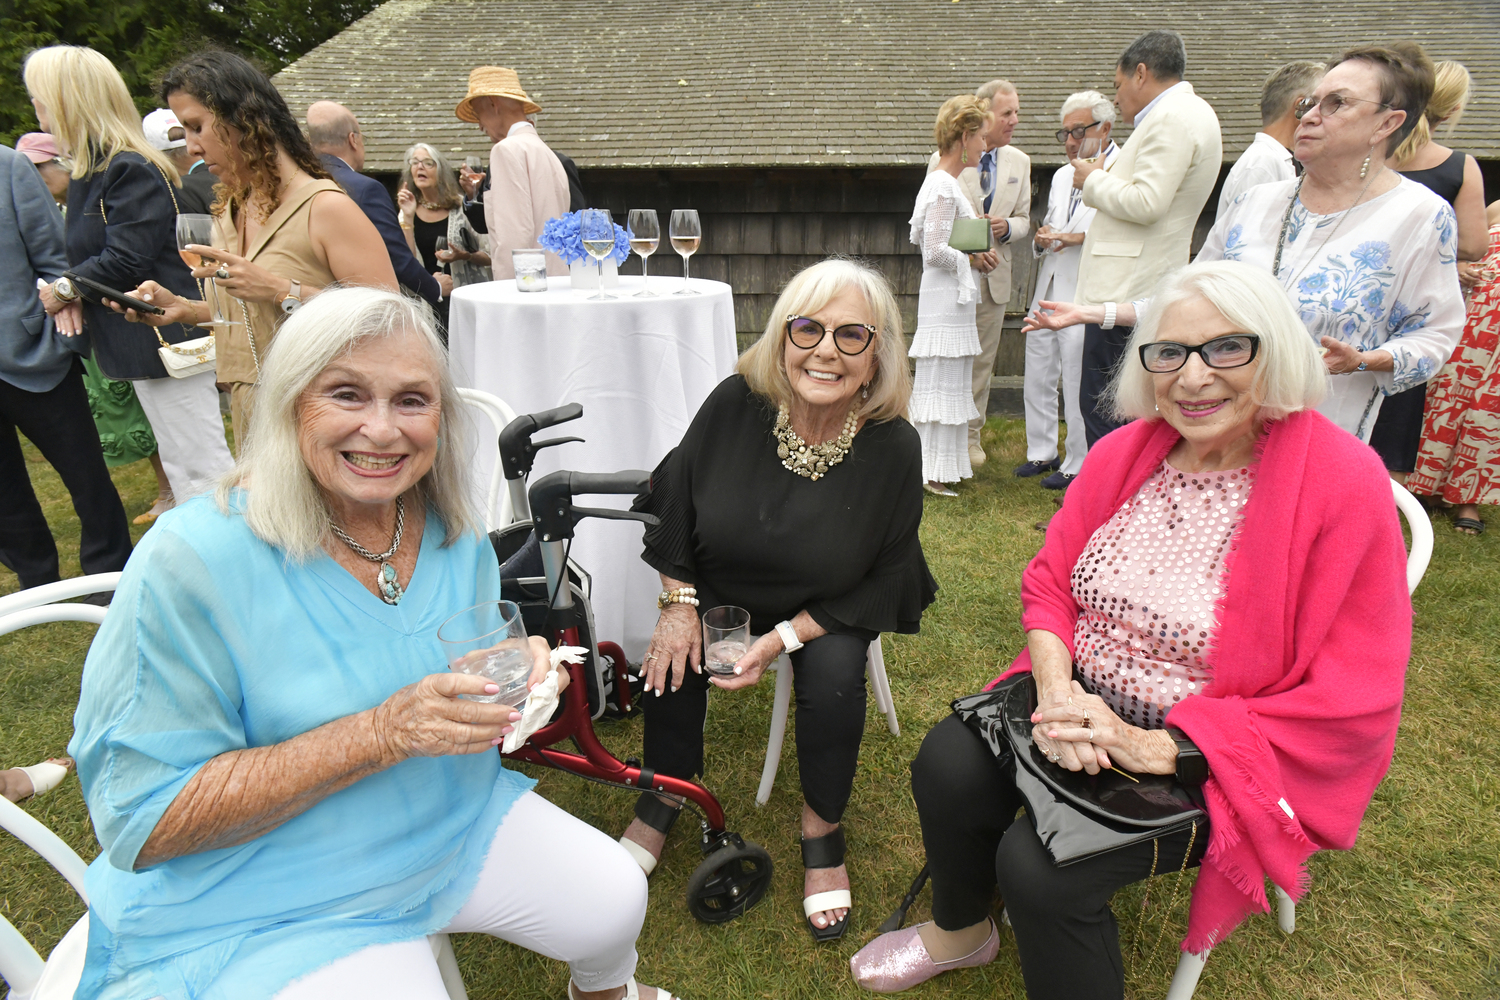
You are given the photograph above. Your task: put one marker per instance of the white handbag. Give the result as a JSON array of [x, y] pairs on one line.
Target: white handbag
[[187, 358]]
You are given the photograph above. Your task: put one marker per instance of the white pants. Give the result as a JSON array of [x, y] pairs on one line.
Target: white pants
[[184, 415], [551, 884], [1049, 354]]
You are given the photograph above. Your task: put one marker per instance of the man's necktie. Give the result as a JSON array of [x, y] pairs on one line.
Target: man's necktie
[[987, 178]]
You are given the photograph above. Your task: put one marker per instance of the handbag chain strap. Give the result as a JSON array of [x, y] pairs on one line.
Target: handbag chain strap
[[1176, 889]]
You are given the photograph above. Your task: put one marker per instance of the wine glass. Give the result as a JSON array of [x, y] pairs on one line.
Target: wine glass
[[1090, 148], [686, 233], [198, 230], [645, 237], [596, 227]]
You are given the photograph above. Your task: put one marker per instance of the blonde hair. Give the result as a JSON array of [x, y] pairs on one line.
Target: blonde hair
[[1450, 95], [1289, 376], [93, 117], [282, 503], [957, 118], [764, 364]]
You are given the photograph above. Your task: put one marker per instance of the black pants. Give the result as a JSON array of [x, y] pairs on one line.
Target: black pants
[[828, 684], [59, 424], [1101, 355], [1065, 931], [1397, 434]]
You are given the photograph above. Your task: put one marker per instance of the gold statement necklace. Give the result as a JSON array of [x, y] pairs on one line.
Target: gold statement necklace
[[812, 461]]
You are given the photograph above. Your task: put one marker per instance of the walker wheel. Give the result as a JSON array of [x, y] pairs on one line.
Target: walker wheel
[[729, 881]]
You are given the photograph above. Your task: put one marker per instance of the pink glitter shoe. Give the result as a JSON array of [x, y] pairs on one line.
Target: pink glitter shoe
[[898, 961]]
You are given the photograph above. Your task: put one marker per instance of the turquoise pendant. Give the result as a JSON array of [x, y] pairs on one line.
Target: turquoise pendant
[[390, 589]]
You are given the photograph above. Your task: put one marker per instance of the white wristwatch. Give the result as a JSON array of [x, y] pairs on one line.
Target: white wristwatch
[[789, 641]]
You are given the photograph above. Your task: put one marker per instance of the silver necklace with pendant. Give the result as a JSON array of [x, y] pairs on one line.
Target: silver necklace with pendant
[[385, 576]]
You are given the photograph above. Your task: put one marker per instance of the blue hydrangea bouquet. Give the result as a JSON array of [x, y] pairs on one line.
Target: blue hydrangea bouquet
[[561, 235]]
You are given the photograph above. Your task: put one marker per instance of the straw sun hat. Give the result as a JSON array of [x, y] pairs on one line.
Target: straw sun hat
[[493, 81]]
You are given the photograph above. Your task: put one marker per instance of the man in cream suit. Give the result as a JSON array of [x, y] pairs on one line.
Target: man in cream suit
[[1059, 243], [1008, 207], [1148, 200]]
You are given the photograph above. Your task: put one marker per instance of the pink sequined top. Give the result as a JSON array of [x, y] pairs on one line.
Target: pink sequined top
[[1148, 583]]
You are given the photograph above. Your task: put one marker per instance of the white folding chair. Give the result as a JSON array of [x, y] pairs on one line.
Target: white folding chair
[[880, 686], [1190, 966], [498, 511]]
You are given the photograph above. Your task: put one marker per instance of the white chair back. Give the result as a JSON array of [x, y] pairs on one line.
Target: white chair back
[[497, 507], [1421, 535]]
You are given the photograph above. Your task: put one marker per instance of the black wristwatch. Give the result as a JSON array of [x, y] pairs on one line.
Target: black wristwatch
[[1192, 766]]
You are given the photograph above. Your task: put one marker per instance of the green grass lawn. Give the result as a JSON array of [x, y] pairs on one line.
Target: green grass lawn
[[1411, 912]]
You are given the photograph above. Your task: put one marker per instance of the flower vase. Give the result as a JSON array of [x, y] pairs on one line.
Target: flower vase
[[585, 273]]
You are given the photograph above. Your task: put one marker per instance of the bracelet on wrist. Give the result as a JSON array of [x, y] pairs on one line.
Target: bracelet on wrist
[[678, 595]]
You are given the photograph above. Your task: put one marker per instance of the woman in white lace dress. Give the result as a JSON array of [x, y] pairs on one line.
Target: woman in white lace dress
[[947, 341]]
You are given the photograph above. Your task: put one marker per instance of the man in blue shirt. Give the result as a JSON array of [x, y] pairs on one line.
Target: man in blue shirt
[[336, 138]]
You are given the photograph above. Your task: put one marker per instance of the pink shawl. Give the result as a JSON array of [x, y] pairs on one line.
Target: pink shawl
[[1299, 721]]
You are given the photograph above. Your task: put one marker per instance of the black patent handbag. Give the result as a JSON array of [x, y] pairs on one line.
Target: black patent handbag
[[1076, 815]]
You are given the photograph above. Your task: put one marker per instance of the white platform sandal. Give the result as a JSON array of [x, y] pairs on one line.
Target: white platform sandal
[[44, 776], [632, 991]]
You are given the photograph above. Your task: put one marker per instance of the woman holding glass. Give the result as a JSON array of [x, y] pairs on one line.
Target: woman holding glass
[[291, 791], [122, 208], [436, 228], [811, 430], [947, 339], [284, 232]]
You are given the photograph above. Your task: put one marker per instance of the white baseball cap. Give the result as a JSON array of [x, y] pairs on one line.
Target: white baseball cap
[[157, 125]]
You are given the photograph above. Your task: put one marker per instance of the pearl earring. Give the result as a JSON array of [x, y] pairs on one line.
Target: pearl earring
[[864, 393], [1364, 168]]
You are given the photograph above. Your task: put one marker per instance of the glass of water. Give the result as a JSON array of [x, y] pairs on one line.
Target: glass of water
[[489, 639], [726, 638]]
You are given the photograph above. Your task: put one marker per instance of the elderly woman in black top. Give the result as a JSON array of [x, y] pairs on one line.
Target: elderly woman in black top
[[795, 494]]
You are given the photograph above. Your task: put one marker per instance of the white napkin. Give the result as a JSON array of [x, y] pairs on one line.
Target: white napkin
[[542, 700]]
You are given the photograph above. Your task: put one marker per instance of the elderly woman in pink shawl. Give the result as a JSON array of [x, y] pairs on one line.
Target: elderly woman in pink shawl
[[1223, 615]]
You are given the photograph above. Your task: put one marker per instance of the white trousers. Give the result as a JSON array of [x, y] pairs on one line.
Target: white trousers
[[1050, 354], [551, 884], [184, 415]]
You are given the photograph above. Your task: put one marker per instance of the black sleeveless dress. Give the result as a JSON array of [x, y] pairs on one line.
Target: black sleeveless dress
[[1397, 434]]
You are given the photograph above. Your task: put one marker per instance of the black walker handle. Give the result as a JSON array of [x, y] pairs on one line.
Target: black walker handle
[[554, 514], [518, 451]]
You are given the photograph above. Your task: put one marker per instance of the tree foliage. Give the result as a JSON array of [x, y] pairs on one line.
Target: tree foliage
[[143, 38]]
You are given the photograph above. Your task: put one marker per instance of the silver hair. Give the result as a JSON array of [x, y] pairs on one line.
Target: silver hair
[[1101, 107], [449, 194], [1286, 86], [989, 90], [1290, 376], [282, 503]]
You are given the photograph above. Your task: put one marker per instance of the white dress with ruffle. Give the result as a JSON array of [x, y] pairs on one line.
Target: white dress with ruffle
[[946, 341]]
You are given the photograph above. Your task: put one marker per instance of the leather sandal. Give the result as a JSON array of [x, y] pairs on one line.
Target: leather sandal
[[632, 991], [826, 852], [658, 816]]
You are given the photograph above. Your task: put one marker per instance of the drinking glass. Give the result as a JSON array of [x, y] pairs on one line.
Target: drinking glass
[[198, 230], [645, 237], [686, 233], [475, 164], [531, 269], [726, 637], [489, 639], [1090, 148], [597, 229]]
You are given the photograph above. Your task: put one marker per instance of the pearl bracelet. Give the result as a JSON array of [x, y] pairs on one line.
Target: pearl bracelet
[[680, 595]]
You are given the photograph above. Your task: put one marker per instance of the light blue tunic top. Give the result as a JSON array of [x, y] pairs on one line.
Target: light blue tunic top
[[215, 642]]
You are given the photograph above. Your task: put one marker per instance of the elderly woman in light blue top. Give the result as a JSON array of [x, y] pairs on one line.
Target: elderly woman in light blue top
[[289, 792]]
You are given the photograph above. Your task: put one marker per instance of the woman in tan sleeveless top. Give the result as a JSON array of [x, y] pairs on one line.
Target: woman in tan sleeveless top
[[283, 231]]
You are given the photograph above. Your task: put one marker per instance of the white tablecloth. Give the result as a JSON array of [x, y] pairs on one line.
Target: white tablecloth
[[640, 367]]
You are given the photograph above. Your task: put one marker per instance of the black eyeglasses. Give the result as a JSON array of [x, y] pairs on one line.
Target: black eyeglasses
[[1234, 351], [851, 339], [1077, 132], [1331, 105]]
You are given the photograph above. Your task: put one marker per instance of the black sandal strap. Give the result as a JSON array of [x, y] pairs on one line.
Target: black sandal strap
[[655, 813], [824, 852]]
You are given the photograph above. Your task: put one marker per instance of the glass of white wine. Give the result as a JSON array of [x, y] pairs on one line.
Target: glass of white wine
[[686, 233], [1090, 148], [645, 237], [198, 230], [597, 229]]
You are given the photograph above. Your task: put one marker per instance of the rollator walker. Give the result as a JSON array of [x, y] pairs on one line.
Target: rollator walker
[[553, 594]]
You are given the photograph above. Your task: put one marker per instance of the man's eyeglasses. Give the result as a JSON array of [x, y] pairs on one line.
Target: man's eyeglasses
[[1234, 351], [430, 164], [851, 339], [1331, 105], [1077, 132]]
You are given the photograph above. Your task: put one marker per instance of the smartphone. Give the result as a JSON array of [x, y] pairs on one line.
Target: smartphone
[[105, 292]]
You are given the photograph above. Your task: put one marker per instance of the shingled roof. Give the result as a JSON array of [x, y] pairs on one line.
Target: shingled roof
[[780, 83]]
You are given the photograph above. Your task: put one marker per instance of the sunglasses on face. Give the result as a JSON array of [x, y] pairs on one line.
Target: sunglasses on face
[[1233, 351], [1330, 105], [429, 164], [1077, 132], [852, 338]]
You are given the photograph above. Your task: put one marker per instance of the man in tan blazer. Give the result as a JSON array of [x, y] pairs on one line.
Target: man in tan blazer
[[1008, 207], [1148, 200], [528, 185]]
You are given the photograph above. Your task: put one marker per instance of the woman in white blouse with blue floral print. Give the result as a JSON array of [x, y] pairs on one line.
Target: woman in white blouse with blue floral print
[[1368, 258]]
